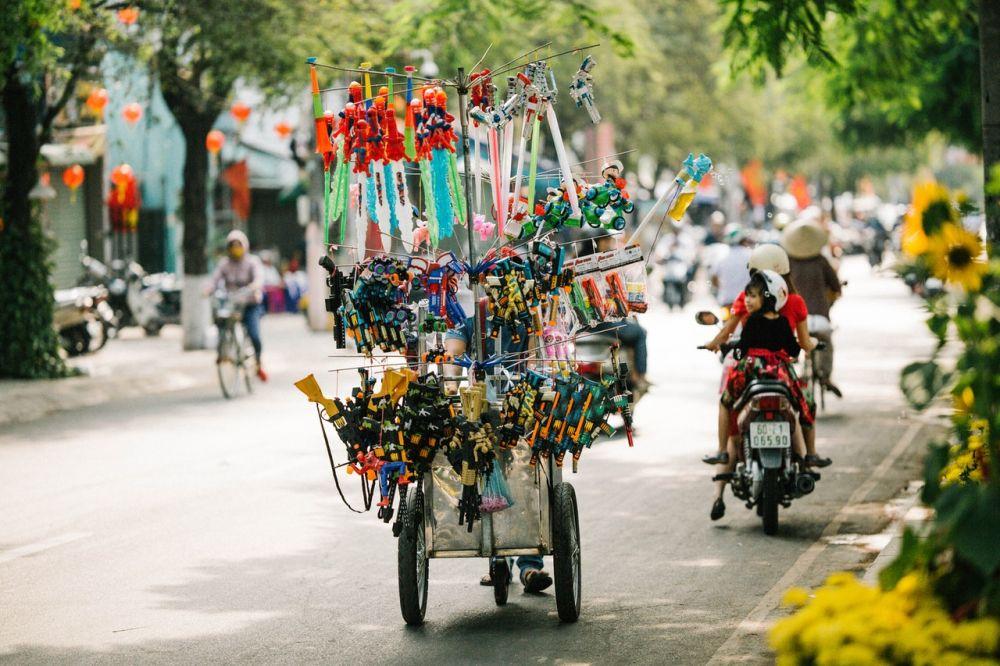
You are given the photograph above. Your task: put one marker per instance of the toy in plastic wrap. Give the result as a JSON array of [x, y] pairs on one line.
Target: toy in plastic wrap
[[581, 89], [606, 204]]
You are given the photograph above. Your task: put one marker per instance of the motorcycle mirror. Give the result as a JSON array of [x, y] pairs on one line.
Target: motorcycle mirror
[[706, 318]]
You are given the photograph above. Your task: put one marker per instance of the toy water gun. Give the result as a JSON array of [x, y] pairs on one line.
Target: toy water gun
[[518, 410], [621, 395], [581, 89], [425, 419], [548, 431], [336, 282], [592, 420], [618, 304], [585, 312]]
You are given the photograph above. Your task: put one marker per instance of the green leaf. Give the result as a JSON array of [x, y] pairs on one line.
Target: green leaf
[[911, 553], [921, 382], [976, 529], [937, 459]]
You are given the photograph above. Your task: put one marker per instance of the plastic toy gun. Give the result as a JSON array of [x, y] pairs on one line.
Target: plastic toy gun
[[581, 89], [336, 281], [547, 432], [622, 396], [593, 420]]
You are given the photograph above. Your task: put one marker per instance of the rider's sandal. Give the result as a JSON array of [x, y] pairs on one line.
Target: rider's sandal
[[814, 460], [535, 580], [718, 509], [721, 458]]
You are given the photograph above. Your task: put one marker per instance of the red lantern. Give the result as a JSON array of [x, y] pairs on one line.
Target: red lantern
[[240, 111], [132, 113], [214, 141], [128, 15], [73, 177], [97, 100], [123, 201], [74, 4], [283, 129]]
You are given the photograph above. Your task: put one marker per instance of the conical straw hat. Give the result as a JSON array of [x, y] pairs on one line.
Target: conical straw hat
[[803, 239]]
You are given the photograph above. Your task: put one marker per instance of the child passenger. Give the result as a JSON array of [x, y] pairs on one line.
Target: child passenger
[[768, 349]]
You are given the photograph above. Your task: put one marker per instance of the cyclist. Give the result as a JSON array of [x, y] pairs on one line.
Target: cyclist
[[241, 274]]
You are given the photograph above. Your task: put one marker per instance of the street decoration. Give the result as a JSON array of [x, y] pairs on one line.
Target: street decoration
[[123, 200], [132, 113], [128, 15], [240, 111], [214, 141], [72, 177], [97, 100], [283, 129]]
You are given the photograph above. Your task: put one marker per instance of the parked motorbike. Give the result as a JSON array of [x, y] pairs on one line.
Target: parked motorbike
[[767, 475], [137, 298], [83, 319]]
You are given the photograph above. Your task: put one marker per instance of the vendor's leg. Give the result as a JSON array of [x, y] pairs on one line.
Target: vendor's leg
[[533, 576]]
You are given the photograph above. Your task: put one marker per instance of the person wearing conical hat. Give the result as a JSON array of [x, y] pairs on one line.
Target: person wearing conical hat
[[818, 284]]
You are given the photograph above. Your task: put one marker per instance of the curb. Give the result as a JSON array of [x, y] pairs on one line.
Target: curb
[[906, 512]]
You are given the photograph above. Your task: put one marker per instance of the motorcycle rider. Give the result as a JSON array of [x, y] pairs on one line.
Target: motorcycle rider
[[767, 348], [731, 272], [768, 257], [242, 272], [819, 285]]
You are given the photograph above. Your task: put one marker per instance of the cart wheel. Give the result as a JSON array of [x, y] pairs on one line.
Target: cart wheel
[[500, 573], [412, 561], [566, 551]]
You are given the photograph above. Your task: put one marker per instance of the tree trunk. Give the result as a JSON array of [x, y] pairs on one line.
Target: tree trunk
[[195, 315], [29, 346], [989, 58]]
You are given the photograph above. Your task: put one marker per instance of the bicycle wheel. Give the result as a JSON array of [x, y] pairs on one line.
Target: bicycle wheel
[[246, 356], [228, 364]]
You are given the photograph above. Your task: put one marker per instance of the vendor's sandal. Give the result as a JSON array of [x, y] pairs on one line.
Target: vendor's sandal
[[486, 581], [718, 509], [721, 458], [814, 460], [535, 580]]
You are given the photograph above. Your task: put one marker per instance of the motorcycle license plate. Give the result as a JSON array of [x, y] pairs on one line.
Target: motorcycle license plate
[[770, 435]]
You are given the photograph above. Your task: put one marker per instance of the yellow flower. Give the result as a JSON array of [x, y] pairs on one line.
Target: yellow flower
[[963, 401], [795, 596], [955, 256], [926, 196]]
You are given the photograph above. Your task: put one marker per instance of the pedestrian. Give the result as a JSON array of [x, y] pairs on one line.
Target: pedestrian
[[731, 273], [819, 286]]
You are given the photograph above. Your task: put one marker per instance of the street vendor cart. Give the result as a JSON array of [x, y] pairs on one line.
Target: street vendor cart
[[543, 520]]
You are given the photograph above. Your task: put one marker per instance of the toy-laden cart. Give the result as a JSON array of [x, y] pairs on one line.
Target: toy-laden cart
[[543, 520]]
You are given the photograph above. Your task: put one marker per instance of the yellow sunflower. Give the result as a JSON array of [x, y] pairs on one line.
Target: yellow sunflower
[[928, 196], [956, 256]]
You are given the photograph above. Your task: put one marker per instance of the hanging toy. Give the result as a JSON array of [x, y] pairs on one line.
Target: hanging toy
[[581, 89], [605, 204]]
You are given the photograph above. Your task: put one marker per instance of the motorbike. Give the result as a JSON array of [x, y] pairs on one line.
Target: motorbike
[[767, 474], [137, 298], [83, 319], [676, 278]]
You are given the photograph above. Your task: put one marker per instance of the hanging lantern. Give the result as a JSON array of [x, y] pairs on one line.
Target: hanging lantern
[[128, 15], [132, 113], [240, 111], [73, 178], [97, 100], [283, 129], [74, 4], [123, 199], [214, 141]]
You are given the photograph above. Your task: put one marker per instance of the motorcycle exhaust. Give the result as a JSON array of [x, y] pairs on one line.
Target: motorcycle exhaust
[[804, 484]]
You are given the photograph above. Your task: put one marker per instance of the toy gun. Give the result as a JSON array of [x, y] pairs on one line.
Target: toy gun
[[622, 397], [581, 305], [593, 418], [581, 89], [548, 432], [617, 296], [336, 281]]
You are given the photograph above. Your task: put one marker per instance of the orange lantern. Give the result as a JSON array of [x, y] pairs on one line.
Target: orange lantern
[[214, 141], [73, 178], [240, 111], [75, 4], [132, 113], [128, 15], [97, 100], [283, 129]]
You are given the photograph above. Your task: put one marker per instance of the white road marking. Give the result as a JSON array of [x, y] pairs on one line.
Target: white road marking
[[39, 546], [755, 620]]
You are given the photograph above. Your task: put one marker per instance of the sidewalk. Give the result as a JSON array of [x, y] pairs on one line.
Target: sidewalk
[[134, 365]]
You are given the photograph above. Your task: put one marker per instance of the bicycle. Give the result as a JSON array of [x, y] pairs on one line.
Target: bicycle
[[235, 349], [810, 376]]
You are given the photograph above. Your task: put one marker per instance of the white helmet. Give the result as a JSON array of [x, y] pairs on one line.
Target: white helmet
[[769, 257], [776, 288]]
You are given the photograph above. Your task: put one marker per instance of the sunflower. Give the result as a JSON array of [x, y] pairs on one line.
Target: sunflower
[[931, 207], [955, 256]]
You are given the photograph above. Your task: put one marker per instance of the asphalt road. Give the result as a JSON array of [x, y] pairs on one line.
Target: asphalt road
[[186, 528]]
